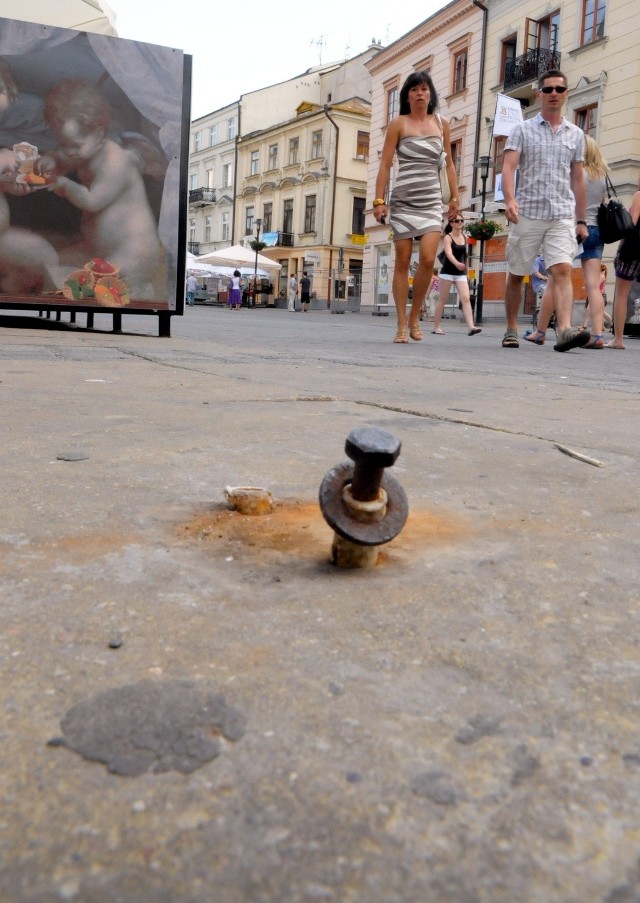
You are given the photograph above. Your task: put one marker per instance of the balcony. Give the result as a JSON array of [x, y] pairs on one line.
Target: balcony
[[193, 247], [285, 239], [529, 67], [202, 196]]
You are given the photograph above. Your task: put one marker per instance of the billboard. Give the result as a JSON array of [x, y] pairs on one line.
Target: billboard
[[93, 160]]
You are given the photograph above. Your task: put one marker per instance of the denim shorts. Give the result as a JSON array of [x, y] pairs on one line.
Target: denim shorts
[[592, 247]]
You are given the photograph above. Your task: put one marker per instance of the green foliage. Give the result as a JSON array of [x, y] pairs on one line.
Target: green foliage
[[486, 229]]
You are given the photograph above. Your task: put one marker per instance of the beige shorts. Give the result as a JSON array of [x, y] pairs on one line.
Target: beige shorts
[[554, 239]]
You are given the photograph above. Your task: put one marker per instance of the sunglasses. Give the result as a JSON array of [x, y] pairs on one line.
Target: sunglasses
[[549, 89], [457, 220]]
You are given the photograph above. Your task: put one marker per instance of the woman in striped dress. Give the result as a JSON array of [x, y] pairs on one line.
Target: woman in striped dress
[[418, 136]]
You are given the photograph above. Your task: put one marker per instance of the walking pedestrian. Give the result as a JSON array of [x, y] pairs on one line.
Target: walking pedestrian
[[235, 291], [595, 171], [418, 137], [627, 267], [550, 208], [305, 291], [454, 271], [293, 292], [192, 285]]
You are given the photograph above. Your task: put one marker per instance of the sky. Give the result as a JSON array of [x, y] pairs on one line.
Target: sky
[[265, 46]]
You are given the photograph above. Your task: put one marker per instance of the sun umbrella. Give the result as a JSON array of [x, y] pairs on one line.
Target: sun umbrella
[[196, 266], [237, 256], [84, 15]]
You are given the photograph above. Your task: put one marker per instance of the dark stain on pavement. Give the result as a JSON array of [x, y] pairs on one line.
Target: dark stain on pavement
[[151, 726]]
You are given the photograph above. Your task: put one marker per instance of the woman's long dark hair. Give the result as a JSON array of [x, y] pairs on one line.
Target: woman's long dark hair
[[417, 78]]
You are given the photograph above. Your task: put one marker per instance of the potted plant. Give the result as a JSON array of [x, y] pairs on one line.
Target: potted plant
[[482, 229]]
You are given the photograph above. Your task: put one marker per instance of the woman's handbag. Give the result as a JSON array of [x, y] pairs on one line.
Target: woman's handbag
[[614, 220], [442, 168]]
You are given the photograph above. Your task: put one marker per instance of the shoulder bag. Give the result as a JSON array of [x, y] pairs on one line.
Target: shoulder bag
[[614, 220]]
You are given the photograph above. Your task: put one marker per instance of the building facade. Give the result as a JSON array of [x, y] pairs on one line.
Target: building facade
[[594, 42], [302, 169], [212, 175]]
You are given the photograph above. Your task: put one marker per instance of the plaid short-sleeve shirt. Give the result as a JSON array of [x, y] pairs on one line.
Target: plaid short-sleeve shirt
[[544, 187]]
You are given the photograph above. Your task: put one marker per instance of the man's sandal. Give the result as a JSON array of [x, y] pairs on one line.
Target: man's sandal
[[401, 337], [510, 339]]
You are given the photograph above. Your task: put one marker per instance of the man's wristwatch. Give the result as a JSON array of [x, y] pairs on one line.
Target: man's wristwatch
[[581, 222]]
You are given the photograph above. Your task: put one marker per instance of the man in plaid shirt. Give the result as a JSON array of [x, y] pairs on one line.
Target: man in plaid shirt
[[549, 211]]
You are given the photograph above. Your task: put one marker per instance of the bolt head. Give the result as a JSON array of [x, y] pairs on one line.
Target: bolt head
[[372, 446]]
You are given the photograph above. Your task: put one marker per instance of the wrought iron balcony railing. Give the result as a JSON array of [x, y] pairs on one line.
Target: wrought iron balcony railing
[[193, 247], [530, 66], [285, 239], [202, 196]]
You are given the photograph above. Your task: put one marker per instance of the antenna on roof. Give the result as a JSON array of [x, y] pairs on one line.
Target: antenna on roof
[[320, 42]]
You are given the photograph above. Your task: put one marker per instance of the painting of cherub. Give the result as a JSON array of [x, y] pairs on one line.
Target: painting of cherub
[[92, 132]]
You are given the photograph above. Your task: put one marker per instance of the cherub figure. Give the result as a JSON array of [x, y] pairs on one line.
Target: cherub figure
[[117, 221]]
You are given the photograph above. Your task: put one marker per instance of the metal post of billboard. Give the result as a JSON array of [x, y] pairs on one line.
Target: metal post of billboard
[[482, 164]]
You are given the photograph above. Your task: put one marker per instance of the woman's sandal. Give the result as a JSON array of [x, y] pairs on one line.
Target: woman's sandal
[[596, 341], [537, 337], [437, 331], [401, 337], [415, 332]]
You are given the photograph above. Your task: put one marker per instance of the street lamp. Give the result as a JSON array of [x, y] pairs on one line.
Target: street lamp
[[483, 165], [255, 268]]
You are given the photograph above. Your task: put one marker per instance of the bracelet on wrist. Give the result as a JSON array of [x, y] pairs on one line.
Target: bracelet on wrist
[[379, 202], [581, 222], [454, 201]]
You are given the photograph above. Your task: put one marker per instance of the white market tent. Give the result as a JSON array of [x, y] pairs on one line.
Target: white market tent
[[83, 15], [193, 265], [238, 256]]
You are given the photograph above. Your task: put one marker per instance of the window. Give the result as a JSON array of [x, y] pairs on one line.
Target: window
[[456, 156], [294, 147], [197, 141], [226, 228], [227, 175], [362, 146], [393, 103], [207, 228], [267, 216], [193, 181], [287, 216], [587, 119], [507, 55], [593, 20], [316, 144], [213, 135], [460, 70], [273, 156], [232, 127], [310, 213], [248, 220], [543, 34], [192, 230], [255, 163], [357, 219], [209, 178]]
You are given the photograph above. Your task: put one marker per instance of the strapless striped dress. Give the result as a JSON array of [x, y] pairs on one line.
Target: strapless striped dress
[[416, 199]]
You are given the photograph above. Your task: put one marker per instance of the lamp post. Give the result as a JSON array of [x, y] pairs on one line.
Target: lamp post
[[483, 165], [255, 268]]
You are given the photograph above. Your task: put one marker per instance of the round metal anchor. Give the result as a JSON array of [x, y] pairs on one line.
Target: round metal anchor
[[360, 501]]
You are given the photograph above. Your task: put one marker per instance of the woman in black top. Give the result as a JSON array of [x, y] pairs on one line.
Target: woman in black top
[[454, 269]]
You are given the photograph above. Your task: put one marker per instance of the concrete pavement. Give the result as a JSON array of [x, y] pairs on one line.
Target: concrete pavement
[[458, 724]]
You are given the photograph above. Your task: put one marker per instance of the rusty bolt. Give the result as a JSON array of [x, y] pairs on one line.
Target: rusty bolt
[[371, 450]]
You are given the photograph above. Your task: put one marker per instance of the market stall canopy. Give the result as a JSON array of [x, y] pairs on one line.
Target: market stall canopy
[[193, 265], [83, 15], [238, 256]]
